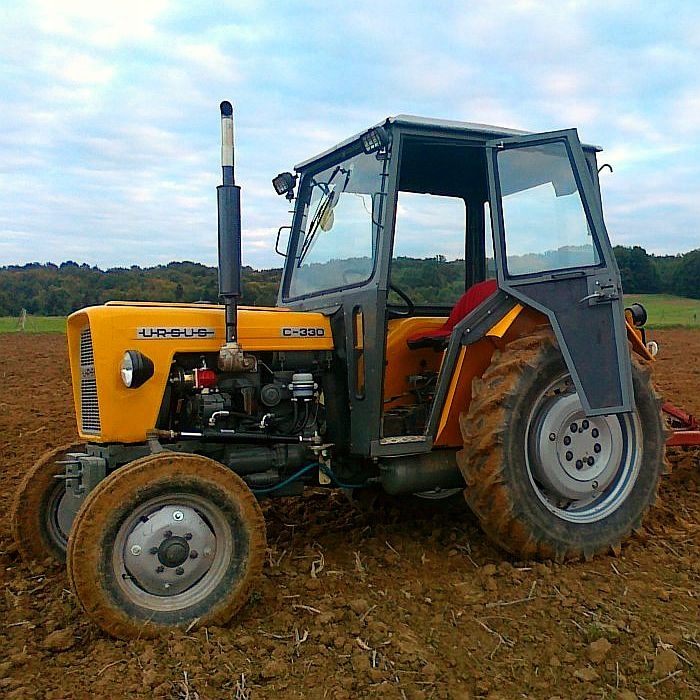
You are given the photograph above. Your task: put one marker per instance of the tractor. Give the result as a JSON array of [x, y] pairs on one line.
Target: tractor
[[518, 377]]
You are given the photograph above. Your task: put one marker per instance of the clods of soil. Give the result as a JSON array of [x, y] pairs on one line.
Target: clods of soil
[[402, 600]]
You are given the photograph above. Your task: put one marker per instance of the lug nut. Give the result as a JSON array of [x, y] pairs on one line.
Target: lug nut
[[188, 536], [573, 427], [178, 515], [594, 484], [179, 571], [160, 569], [194, 554], [591, 461], [552, 437], [584, 425], [569, 456], [136, 550], [567, 440], [597, 448], [595, 432], [579, 464]]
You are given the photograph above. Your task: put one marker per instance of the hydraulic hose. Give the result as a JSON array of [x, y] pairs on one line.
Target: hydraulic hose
[[305, 470]]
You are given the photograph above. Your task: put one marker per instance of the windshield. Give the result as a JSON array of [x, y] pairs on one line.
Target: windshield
[[335, 245]]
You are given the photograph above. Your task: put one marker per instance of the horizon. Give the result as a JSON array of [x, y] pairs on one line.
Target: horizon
[[110, 146], [262, 269]]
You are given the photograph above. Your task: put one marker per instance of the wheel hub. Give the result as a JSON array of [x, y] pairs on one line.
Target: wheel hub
[[173, 551], [576, 457], [169, 550]]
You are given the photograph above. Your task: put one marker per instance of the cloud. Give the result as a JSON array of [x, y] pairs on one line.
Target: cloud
[[99, 24], [109, 151]]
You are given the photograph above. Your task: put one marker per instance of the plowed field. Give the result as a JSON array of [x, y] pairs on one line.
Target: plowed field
[[404, 601]]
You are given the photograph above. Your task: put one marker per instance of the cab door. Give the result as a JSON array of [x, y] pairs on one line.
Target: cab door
[[553, 254]]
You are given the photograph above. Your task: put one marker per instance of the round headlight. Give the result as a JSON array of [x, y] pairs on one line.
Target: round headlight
[[135, 369], [126, 369]]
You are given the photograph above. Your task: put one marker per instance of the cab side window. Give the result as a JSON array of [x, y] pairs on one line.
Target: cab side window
[[428, 255]]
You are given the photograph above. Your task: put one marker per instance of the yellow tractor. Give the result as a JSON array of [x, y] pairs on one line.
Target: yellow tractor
[[517, 377]]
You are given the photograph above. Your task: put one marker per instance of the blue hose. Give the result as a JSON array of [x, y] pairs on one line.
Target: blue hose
[[329, 473], [304, 470]]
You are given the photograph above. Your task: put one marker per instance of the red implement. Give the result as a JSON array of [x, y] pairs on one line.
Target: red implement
[[686, 429]]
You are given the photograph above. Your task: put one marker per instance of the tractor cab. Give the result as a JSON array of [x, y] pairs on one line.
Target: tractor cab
[[396, 228]]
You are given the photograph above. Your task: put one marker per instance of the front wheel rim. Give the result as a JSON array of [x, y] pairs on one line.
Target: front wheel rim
[[581, 468], [56, 534], [172, 552]]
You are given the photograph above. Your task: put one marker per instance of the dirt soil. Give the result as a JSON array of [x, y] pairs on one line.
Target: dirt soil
[[408, 601]]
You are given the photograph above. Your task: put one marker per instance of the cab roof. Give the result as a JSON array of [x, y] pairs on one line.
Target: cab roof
[[484, 132]]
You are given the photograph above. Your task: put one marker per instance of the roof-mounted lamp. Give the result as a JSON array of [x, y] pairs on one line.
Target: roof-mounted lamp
[[374, 139], [284, 184]]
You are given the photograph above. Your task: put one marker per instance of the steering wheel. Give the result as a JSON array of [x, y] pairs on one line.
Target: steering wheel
[[410, 306]]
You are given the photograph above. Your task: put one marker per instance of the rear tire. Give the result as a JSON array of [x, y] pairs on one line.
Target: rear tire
[[544, 480], [166, 541], [35, 524]]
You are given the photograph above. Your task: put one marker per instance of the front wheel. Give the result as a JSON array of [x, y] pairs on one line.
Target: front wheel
[[163, 542], [37, 526], [545, 480]]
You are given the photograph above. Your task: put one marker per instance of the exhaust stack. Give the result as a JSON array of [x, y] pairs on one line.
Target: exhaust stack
[[228, 194]]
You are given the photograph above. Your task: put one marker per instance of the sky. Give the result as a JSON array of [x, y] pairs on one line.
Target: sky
[[110, 131]]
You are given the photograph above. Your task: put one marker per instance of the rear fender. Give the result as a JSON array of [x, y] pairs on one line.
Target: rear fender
[[471, 363]]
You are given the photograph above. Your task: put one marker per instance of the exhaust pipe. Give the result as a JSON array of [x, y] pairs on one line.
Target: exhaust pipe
[[228, 195]]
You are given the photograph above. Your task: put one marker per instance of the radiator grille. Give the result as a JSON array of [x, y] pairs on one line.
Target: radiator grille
[[89, 407]]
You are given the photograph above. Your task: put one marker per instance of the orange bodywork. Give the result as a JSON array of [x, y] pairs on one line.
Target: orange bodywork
[[636, 338], [402, 362]]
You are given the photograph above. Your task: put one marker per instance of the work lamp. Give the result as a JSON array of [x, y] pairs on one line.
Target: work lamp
[[374, 139], [284, 184]]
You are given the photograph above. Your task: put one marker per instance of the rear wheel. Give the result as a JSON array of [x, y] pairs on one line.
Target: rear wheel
[[36, 526], [163, 542], [545, 480]]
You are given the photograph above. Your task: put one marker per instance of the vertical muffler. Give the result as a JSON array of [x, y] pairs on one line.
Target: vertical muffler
[[228, 196]]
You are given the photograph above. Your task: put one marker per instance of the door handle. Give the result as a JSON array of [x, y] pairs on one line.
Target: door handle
[[600, 296]]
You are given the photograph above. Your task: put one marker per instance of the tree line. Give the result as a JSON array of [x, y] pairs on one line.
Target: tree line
[[57, 290]]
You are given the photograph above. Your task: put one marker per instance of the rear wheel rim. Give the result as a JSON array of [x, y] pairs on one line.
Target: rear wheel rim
[[582, 469]]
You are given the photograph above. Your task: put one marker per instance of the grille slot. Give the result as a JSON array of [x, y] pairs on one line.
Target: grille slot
[[89, 407]]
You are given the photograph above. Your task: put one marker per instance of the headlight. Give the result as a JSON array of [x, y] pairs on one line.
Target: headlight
[[135, 369]]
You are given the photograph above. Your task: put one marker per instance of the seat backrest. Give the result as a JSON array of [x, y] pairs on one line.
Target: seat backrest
[[437, 338], [475, 295]]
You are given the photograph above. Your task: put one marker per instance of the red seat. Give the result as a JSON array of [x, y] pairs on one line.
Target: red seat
[[473, 297]]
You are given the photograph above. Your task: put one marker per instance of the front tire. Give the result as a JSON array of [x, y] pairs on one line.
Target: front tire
[[544, 480], [36, 525], [163, 542]]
